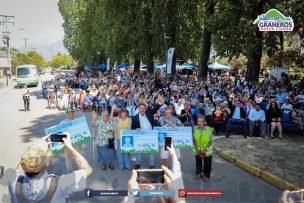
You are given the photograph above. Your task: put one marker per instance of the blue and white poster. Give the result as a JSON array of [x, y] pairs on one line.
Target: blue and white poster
[[181, 136], [144, 141], [78, 129]]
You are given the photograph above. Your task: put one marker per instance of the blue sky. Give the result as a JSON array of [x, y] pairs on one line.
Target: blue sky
[[40, 19]]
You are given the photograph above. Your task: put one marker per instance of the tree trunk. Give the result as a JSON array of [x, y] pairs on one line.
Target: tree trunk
[[174, 64], [281, 36], [150, 64], [254, 63], [254, 52], [206, 43], [137, 65]]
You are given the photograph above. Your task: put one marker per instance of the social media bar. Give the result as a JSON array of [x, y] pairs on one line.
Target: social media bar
[[199, 193], [106, 193]]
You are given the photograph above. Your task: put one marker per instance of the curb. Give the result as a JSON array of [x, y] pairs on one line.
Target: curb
[[266, 176]]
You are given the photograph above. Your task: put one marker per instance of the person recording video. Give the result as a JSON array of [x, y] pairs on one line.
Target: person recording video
[[32, 183], [172, 181]]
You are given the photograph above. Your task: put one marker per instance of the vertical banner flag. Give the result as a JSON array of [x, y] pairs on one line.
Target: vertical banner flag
[[169, 60], [108, 63]]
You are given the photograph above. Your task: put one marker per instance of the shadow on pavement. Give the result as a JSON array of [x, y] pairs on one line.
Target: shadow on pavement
[[236, 185], [37, 94], [36, 129]]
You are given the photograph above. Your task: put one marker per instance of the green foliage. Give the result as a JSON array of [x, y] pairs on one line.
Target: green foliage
[[31, 57], [60, 60], [287, 58], [36, 59], [131, 30]]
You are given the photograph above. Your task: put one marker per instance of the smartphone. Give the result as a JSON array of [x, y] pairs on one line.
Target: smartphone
[[57, 137], [168, 142], [150, 176]]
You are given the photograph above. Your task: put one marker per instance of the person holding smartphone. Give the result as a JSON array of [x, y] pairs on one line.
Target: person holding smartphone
[[173, 180], [31, 177], [202, 149]]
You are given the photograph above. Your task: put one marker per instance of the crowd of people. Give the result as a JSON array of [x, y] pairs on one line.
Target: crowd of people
[[225, 101], [122, 100]]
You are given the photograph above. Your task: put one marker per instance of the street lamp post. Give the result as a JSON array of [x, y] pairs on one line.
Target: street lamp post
[[6, 38], [6, 20], [167, 40]]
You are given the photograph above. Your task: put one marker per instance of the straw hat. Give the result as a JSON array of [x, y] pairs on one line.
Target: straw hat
[[34, 160]]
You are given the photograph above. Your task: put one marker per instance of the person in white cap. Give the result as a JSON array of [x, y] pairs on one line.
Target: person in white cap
[[32, 182]]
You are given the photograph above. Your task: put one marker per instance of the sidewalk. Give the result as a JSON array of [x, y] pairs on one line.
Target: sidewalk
[[278, 162], [4, 90]]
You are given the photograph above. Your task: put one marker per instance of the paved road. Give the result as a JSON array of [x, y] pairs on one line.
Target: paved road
[[20, 129]]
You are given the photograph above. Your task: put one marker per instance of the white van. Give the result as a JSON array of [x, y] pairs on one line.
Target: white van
[[27, 75]]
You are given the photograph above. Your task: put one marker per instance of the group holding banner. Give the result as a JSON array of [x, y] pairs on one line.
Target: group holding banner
[[134, 141]]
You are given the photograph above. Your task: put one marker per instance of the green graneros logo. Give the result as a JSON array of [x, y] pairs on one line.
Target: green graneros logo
[[274, 20]]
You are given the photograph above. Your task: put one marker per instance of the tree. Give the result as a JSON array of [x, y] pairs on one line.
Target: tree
[[36, 59], [60, 60], [31, 57], [206, 41], [128, 30]]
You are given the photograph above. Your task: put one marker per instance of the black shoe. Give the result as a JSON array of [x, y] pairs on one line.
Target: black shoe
[[151, 167], [198, 176], [111, 166], [245, 135], [227, 133], [104, 167], [137, 166]]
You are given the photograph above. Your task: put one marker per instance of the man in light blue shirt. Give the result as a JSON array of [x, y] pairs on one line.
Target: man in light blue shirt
[[281, 96], [257, 118]]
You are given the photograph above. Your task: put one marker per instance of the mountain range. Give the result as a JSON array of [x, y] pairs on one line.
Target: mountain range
[[46, 49]]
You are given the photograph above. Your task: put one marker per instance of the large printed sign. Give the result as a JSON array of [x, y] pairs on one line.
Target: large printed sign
[[78, 129], [144, 141], [274, 20], [181, 136]]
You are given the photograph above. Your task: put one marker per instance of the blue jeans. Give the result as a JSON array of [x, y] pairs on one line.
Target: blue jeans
[[151, 159], [124, 159], [105, 154], [241, 122]]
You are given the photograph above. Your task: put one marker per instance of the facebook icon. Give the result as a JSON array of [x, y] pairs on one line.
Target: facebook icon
[[88, 192]]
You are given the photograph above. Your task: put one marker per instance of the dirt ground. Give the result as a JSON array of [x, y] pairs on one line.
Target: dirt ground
[[283, 158]]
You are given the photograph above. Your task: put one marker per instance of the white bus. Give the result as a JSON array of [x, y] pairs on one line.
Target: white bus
[[27, 75]]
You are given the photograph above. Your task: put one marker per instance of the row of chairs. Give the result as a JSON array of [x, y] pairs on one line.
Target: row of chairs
[[287, 124]]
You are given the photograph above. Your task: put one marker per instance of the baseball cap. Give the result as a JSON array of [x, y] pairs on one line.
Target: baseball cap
[[69, 110], [33, 160]]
